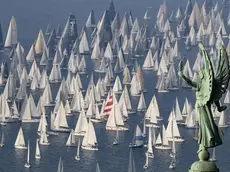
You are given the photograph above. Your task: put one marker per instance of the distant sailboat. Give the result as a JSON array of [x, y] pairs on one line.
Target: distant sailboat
[[71, 140], [150, 144], [162, 143], [77, 157], [90, 140], [20, 141], [138, 140], [146, 162], [27, 164], [173, 153], [37, 153]]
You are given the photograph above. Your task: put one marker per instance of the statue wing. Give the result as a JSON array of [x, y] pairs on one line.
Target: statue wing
[[222, 74], [206, 86]]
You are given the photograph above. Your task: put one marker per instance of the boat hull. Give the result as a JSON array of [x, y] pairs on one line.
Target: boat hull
[[37, 157], [176, 139], [44, 143], [63, 130], [31, 121], [27, 165], [117, 128], [135, 146], [162, 147], [20, 147], [89, 148]]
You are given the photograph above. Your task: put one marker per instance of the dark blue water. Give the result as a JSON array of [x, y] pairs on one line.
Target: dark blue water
[[33, 15]]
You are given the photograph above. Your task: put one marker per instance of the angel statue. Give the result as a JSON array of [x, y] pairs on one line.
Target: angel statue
[[209, 87]]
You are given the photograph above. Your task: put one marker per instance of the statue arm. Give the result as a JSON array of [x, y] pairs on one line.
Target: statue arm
[[187, 80]]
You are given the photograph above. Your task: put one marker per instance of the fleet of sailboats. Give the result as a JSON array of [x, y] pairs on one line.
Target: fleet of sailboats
[[123, 53]]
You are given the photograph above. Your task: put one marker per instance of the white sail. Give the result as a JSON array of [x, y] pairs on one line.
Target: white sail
[[227, 97], [60, 119], [11, 37], [82, 124], [90, 140], [148, 63], [71, 139], [117, 88], [20, 141], [222, 121], [178, 111], [141, 105], [31, 54]]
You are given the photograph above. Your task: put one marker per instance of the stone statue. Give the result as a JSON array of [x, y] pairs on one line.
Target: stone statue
[[209, 89]]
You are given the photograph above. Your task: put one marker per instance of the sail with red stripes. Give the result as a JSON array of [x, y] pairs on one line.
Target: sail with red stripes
[[108, 105]]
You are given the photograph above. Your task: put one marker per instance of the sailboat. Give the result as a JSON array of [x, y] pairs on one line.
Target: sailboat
[[141, 105], [20, 141], [115, 120], [162, 144], [44, 139], [138, 140], [222, 121], [213, 158], [146, 162], [173, 153], [27, 164], [172, 130], [81, 125], [71, 140], [37, 153], [3, 120], [60, 121], [77, 157], [116, 140], [2, 140], [150, 145], [90, 140]]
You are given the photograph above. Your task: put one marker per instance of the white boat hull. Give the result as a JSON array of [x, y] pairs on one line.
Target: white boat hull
[[147, 68], [162, 147], [27, 165], [96, 120], [176, 139], [89, 148], [44, 143], [117, 128], [37, 157], [20, 147], [77, 158], [62, 130], [31, 120]]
